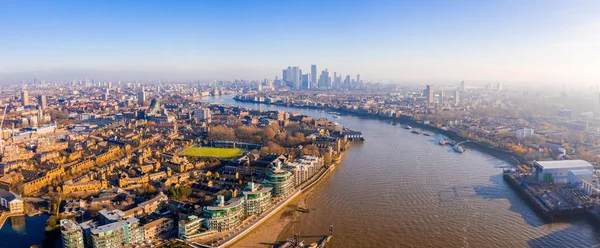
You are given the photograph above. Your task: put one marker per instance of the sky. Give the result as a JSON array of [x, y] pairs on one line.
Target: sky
[[542, 41]]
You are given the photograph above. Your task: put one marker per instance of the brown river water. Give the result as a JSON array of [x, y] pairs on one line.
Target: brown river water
[[399, 189]]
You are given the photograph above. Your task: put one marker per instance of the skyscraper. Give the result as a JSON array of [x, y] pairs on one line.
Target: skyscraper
[[358, 78], [324, 80], [499, 86], [313, 75], [25, 98], [141, 97], [306, 82], [289, 75], [296, 77], [42, 101], [456, 98], [462, 86], [284, 75], [429, 93]]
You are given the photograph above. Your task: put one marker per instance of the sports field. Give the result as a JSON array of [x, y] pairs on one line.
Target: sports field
[[213, 152]]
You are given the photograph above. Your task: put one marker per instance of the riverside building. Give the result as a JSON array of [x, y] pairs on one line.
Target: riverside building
[[256, 198], [224, 216], [282, 181], [72, 234]]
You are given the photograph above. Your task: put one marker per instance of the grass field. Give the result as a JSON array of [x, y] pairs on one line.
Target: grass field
[[213, 152]]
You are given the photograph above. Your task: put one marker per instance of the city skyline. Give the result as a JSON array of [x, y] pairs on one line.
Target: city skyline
[[543, 42]]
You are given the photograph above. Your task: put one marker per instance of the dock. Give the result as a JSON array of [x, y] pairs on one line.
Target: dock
[[550, 212]]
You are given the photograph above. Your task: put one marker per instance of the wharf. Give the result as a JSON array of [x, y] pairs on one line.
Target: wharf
[[549, 213]]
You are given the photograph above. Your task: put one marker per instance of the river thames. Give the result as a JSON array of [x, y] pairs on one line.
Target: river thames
[[400, 189]]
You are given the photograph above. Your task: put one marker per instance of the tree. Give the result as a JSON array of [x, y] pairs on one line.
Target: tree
[[221, 132], [310, 150]]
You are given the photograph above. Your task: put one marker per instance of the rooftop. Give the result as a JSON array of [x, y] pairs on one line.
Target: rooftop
[[9, 196], [114, 226], [563, 164]]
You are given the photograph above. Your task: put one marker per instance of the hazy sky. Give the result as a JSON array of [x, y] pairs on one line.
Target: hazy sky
[[510, 40]]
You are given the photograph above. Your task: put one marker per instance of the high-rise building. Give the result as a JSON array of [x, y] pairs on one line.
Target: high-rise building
[[202, 114], [284, 75], [141, 97], [442, 96], [324, 80], [358, 78], [289, 75], [296, 77], [306, 82], [25, 98], [72, 234], [456, 98], [429, 93], [499, 86], [462, 85], [347, 82], [42, 101], [313, 75]]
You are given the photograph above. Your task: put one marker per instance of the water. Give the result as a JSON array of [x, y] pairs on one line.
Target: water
[[399, 189], [23, 231]]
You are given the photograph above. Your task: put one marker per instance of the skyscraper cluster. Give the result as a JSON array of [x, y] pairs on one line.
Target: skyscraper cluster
[[293, 77]]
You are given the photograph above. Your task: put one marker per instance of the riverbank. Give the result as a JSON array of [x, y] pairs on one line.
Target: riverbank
[[273, 230], [481, 146]]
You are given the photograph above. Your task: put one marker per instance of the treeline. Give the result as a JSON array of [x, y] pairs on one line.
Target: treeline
[[254, 134]]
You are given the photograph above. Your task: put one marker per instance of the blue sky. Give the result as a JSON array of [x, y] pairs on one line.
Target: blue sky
[[513, 41]]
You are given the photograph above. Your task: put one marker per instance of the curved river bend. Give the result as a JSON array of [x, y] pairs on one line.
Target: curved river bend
[[399, 189]]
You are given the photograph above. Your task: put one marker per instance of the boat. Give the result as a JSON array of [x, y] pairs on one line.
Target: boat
[[426, 134], [416, 131], [459, 149], [407, 127], [394, 123], [335, 116], [443, 141]]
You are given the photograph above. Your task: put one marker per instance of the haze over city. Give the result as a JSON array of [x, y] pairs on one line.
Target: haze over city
[[541, 42]]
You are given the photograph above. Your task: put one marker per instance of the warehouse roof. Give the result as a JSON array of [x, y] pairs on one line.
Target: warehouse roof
[[563, 164], [581, 172]]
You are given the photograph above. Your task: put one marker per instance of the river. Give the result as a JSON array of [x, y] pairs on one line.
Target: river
[[399, 189]]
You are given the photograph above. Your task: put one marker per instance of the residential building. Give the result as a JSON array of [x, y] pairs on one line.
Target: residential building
[[151, 205], [224, 216], [429, 93], [42, 102], [282, 181], [25, 98], [524, 133], [190, 227], [11, 201], [202, 114], [256, 198], [141, 97], [118, 234], [155, 228], [72, 234]]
